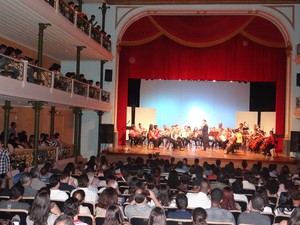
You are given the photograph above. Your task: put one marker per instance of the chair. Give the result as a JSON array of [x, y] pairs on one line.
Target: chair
[[99, 220], [28, 200], [4, 197], [91, 206], [86, 218], [123, 188], [170, 209], [219, 223], [10, 213], [243, 205], [249, 191], [270, 215], [139, 220], [236, 214], [179, 222], [279, 218]]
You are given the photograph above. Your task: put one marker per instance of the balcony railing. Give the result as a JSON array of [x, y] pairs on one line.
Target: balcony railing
[[24, 72], [80, 22]]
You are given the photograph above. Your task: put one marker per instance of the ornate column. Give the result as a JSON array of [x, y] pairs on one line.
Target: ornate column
[[100, 114], [37, 106], [104, 8], [42, 27], [77, 127], [7, 109], [52, 120]]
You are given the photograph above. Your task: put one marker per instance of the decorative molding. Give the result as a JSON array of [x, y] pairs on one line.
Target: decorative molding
[[121, 12], [282, 9]]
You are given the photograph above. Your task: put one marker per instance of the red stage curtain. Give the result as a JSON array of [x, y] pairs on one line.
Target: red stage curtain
[[173, 52]]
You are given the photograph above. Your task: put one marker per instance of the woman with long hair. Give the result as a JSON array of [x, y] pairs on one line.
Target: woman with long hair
[[108, 197], [164, 196], [285, 204], [294, 219], [114, 216], [228, 200], [157, 216], [40, 211]]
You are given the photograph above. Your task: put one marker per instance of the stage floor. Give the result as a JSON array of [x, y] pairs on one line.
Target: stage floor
[[210, 155]]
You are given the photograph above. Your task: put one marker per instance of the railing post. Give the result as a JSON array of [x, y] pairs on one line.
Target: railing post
[[52, 120], [57, 6], [100, 114], [90, 30], [52, 81], [72, 88], [25, 69], [75, 19], [88, 92], [79, 49], [42, 27], [104, 8]]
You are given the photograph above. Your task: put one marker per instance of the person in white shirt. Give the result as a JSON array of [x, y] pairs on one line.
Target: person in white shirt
[[248, 182], [55, 193], [200, 197], [80, 195], [90, 195]]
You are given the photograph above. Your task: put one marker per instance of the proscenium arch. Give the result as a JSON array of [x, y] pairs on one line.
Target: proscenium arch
[[130, 18]]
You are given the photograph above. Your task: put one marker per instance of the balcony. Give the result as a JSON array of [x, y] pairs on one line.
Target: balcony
[[20, 24], [22, 82]]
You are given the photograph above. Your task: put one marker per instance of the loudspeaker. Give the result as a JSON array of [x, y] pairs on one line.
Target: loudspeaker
[[298, 79], [295, 141], [106, 134], [108, 75]]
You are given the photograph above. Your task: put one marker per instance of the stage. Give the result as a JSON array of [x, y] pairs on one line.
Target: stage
[[210, 155]]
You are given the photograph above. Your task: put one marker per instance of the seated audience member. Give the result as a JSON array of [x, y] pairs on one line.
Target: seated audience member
[[13, 202], [254, 216], [248, 182], [45, 175], [111, 183], [164, 196], [237, 187], [114, 216], [215, 213], [70, 169], [4, 185], [22, 168], [91, 164], [199, 216], [294, 219], [36, 183], [83, 182], [285, 204], [157, 216], [181, 212], [262, 191], [272, 187], [26, 182], [71, 208], [80, 195], [108, 197], [200, 197], [228, 200], [40, 211], [64, 182], [64, 219], [55, 193], [139, 206]]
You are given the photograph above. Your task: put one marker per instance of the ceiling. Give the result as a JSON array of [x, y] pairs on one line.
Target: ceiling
[[20, 23], [188, 2]]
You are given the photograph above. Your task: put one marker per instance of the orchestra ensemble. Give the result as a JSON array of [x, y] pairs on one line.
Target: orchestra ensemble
[[229, 140]]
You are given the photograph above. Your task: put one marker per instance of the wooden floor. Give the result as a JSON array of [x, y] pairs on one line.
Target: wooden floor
[[210, 155]]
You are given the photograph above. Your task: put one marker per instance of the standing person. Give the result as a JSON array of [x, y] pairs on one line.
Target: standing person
[[12, 129], [205, 139], [4, 161]]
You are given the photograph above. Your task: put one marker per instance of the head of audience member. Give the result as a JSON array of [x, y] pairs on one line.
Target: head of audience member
[[113, 184], [83, 181], [34, 172], [9, 51], [272, 187], [199, 216], [164, 195], [16, 192], [205, 186], [54, 182], [40, 208], [216, 197], [26, 179], [18, 54], [262, 191], [249, 176], [257, 203], [237, 186], [108, 197], [2, 48], [80, 195], [181, 201], [173, 180], [64, 219], [71, 207], [228, 199], [70, 168], [64, 178], [4, 181], [296, 197], [157, 216], [113, 215]]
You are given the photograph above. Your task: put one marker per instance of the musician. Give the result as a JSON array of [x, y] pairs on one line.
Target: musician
[[194, 136], [135, 135], [223, 139], [205, 139], [165, 134], [152, 137], [212, 135], [236, 141], [174, 137], [268, 144], [142, 131], [157, 134]]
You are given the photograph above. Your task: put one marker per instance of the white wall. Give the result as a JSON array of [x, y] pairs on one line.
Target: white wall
[[189, 102]]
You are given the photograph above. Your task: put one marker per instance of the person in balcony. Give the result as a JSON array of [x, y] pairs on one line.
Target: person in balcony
[[7, 63]]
